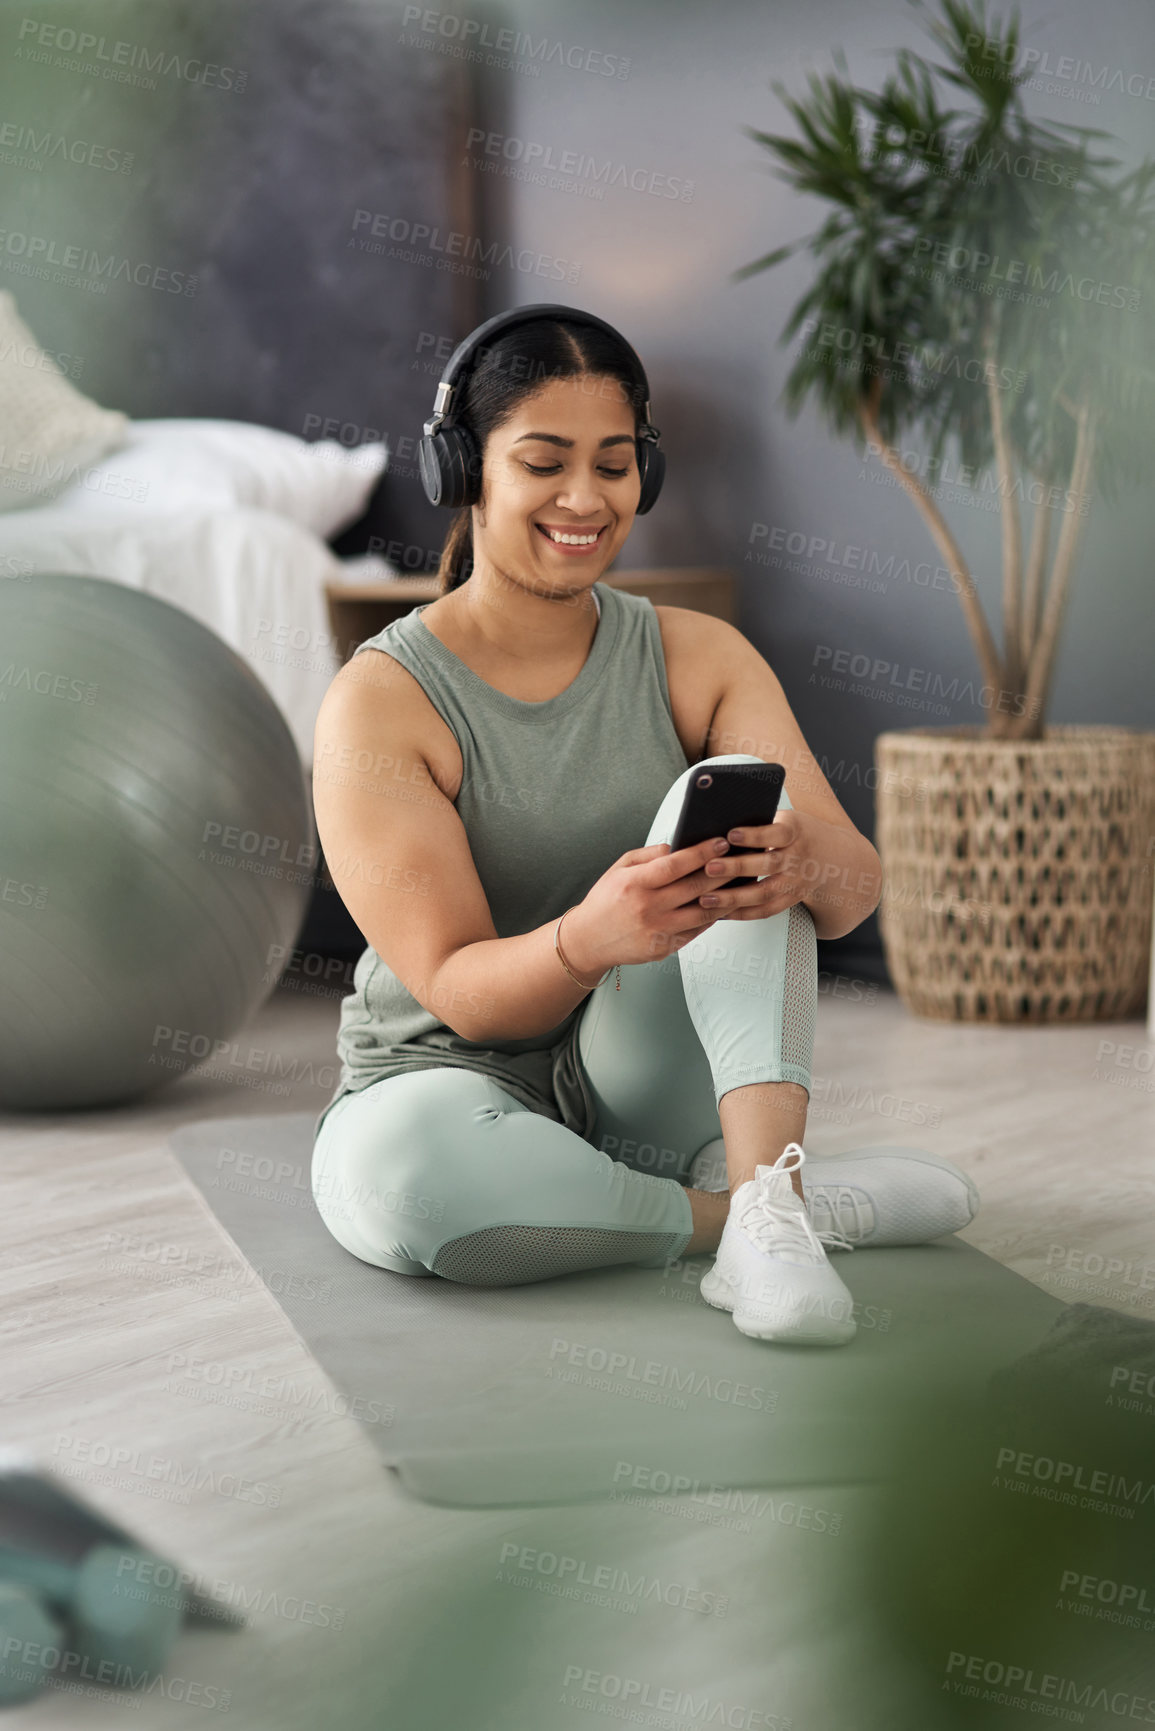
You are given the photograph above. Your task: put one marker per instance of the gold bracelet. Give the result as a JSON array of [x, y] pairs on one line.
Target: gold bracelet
[[569, 970]]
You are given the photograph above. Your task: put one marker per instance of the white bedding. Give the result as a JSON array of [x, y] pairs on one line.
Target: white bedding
[[254, 578], [210, 465], [225, 519]]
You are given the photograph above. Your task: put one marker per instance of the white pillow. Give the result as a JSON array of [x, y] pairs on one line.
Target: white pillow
[[177, 465], [47, 427]]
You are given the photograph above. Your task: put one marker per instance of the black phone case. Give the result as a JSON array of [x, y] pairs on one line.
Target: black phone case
[[725, 796]]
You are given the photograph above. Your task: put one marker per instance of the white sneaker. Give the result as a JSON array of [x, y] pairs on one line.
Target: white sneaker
[[877, 1197], [868, 1197], [771, 1269]]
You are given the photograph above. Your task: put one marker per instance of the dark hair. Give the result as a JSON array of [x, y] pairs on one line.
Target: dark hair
[[517, 363]]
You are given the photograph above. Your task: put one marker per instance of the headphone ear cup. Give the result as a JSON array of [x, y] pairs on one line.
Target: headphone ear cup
[[436, 469], [430, 467], [450, 468], [652, 465]]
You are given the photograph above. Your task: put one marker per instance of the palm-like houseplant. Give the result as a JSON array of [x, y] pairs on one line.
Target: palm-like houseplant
[[984, 286]]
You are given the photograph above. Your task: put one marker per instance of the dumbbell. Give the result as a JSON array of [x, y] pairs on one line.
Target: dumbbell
[[112, 1619], [31, 1641]]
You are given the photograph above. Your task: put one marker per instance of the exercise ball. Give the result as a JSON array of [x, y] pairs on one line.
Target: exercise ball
[[155, 843]]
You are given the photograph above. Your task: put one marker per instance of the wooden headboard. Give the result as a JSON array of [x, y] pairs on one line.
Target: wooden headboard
[[232, 159]]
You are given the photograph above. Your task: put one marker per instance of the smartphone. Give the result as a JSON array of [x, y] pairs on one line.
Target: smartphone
[[725, 796]]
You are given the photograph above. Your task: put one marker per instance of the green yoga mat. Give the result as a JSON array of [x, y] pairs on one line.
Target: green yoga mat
[[613, 1384]]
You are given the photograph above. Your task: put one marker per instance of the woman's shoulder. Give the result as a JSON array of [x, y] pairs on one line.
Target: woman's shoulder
[[698, 638], [375, 695], [698, 648]]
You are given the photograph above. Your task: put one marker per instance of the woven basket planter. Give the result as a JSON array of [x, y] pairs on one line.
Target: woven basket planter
[[1017, 873]]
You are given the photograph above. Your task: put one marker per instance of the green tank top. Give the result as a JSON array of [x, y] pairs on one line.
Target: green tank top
[[551, 795]]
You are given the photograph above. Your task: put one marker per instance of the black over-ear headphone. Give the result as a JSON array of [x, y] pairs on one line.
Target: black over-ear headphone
[[448, 455]]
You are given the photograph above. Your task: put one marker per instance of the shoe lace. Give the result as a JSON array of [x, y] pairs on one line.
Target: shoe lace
[[782, 1225], [836, 1198]]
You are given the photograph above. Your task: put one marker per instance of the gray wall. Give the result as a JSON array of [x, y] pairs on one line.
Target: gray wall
[[353, 103], [256, 130], [659, 268]]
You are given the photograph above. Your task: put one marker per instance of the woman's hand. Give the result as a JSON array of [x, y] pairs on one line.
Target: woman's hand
[[789, 864], [644, 907]]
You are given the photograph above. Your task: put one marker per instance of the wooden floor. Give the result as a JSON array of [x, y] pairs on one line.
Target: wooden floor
[[1060, 1142]]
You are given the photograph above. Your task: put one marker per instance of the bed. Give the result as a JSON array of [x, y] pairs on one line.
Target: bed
[[227, 521], [262, 378]]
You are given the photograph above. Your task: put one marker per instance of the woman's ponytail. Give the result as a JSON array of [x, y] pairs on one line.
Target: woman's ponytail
[[457, 554]]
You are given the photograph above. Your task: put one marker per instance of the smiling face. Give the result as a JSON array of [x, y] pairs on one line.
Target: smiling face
[[560, 486]]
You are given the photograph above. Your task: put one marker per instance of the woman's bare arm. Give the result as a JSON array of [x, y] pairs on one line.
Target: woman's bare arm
[[400, 859]]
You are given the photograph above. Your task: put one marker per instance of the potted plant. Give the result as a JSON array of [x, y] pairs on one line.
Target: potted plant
[[983, 289]]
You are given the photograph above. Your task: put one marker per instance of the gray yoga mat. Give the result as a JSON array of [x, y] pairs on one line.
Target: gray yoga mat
[[611, 1383]]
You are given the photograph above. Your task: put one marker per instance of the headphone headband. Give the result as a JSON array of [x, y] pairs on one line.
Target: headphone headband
[[462, 355]]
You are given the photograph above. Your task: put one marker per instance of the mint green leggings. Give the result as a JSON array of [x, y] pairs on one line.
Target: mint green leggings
[[442, 1171]]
